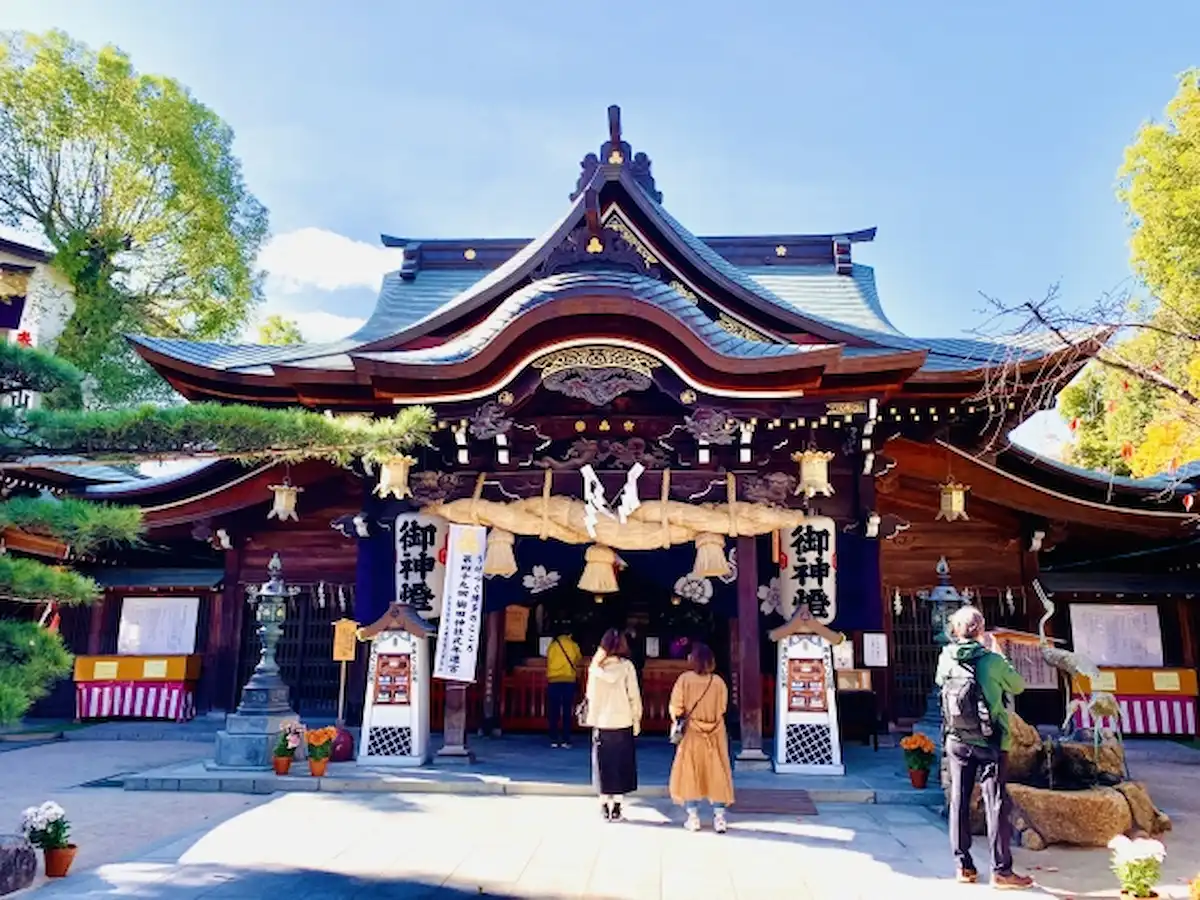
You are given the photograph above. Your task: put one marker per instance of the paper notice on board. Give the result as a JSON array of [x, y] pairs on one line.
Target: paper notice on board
[[106, 670], [875, 650], [1166, 681], [154, 668], [1106, 682]]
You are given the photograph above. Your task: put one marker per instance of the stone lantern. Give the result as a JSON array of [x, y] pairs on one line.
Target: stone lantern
[[943, 600], [251, 731]]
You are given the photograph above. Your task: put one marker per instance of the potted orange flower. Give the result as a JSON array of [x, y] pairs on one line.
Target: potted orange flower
[[320, 747], [918, 756]]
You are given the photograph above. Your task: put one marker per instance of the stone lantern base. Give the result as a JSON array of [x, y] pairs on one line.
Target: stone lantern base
[[250, 733]]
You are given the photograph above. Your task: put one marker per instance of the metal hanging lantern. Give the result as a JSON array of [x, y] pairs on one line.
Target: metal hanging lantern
[[393, 477], [814, 473], [284, 507], [953, 502]]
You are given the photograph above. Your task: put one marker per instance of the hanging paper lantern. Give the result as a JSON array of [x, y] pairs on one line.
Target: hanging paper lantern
[[285, 501], [393, 477], [814, 473], [954, 502], [1188, 501]]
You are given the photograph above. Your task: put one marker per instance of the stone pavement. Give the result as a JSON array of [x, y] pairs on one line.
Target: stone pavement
[[391, 846]]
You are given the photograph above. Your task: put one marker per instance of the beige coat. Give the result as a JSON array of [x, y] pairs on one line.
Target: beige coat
[[701, 770], [614, 700]]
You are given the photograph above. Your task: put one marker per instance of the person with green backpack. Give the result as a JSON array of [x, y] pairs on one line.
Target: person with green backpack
[[977, 685]]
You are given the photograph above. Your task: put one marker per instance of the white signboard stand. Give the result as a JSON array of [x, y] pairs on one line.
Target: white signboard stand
[[807, 741], [396, 715]]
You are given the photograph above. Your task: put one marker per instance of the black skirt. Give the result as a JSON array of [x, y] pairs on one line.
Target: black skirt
[[614, 761]]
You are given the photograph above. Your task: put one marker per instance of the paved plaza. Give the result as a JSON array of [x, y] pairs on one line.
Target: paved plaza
[[185, 845]]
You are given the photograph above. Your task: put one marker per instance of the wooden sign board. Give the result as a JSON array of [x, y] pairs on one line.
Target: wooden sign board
[[806, 685], [516, 624], [345, 641], [393, 679]]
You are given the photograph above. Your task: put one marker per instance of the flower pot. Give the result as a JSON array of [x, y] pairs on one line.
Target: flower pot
[[58, 861], [1151, 896], [919, 778], [282, 764], [317, 766]]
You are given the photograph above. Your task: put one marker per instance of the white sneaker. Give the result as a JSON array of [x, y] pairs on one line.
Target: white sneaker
[[719, 824], [693, 822]]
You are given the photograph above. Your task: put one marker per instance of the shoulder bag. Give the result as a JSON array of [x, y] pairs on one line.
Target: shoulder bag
[[679, 726]]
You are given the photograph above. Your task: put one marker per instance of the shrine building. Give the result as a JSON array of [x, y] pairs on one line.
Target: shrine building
[[690, 438]]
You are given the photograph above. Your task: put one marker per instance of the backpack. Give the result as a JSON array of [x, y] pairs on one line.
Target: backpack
[[964, 709]]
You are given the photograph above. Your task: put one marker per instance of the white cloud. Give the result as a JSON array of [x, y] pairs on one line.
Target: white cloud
[[1043, 433], [311, 258]]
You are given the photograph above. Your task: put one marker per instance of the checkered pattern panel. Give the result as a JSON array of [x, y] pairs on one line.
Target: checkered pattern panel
[[389, 740], [809, 745]]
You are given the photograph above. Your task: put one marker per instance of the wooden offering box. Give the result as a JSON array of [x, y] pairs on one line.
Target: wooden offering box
[[1152, 701], [136, 687]]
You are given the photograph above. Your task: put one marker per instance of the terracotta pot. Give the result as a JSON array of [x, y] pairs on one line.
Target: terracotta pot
[[58, 862], [317, 766], [282, 764], [919, 778]]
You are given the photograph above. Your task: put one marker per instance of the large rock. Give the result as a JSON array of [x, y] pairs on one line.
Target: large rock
[[18, 864], [1089, 818], [1027, 758]]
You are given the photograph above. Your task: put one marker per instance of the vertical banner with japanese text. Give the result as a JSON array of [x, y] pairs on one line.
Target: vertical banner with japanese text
[[419, 572], [810, 577], [462, 605]]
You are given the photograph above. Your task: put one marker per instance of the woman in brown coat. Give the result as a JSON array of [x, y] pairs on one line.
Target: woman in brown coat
[[701, 770]]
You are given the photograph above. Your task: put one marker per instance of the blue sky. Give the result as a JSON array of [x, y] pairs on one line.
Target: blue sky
[[982, 139]]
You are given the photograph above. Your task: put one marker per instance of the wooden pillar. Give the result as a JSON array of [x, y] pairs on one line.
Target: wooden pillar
[[749, 656], [454, 727], [493, 677], [228, 656], [1187, 637], [96, 624]]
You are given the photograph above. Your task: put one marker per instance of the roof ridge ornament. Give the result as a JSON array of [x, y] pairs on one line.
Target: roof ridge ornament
[[616, 153]]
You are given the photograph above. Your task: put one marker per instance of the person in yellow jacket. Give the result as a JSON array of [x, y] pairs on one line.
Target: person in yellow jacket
[[562, 674]]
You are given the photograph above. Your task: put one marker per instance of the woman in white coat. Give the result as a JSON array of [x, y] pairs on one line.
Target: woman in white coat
[[614, 713]]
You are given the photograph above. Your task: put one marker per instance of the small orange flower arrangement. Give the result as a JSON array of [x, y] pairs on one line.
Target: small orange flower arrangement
[[320, 748], [918, 752]]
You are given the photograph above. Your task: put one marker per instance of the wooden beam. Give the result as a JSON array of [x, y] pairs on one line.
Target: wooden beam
[[749, 656]]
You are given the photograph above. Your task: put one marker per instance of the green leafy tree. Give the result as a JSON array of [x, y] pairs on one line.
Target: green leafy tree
[[278, 331], [134, 184], [1136, 408]]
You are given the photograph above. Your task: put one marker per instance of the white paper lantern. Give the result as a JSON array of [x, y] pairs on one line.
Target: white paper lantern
[[284, 507]]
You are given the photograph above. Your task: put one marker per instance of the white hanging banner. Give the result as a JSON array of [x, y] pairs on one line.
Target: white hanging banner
[[420, 575], [810, 577], [462, 605]]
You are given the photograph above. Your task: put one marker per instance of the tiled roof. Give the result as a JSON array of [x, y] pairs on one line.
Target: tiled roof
[[599, 281], [820, 292], [403, 302]]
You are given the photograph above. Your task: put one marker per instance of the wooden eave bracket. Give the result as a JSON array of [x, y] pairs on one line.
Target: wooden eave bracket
[[399, 617]]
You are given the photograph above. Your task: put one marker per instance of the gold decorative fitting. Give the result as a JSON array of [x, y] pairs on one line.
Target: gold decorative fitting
[[953, 502], [506, 398], [628, 426], [736, 328], [846, 408], [580, 425], [597, 358], [814, 472], [781, 250], [684, 291], [688, 397], [616, 158], [604, 426], [594, 246], [616, 223], [469, 253]]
